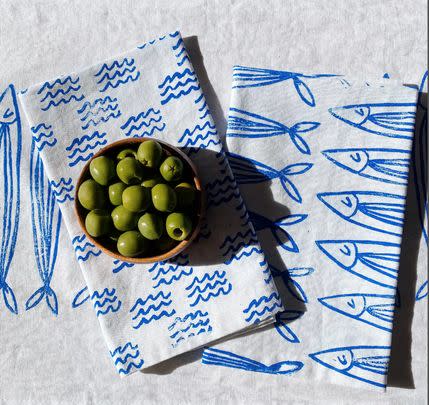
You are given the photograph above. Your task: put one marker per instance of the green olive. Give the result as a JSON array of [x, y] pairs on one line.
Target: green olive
[[91, 195], [186, 195], [152, 181], [98, 223], [124, 220], [130, 170], [178, 226], [114, 235], [126, 153], [115, 192], [164, 198], [171, 168], [165, 243], [102, 170], [151, 226], [149, 154], [131, 244], [136, 198]]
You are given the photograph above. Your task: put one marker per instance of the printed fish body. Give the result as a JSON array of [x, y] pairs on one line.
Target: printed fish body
[[381, 212]]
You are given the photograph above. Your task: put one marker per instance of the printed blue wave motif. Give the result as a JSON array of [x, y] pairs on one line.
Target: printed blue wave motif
[[262, 308], [165, 273], [207, 287], [182, 259], [127, 358], [62, 189], [172, 35], [46, 226], [99, 111], [245, 77], [249, 171], [216, 357], [422, 291], [177, 85], [190, 325], [61, 91], [282, 327], [394, 120], [106, 301], [117, 73], [382, 164], [239, 246], [373, 309], [81, 297], [368, 364], [203, 108], [376, 262], [119, 265], [244, 124], [380, 212], [222, 191], [10, 160], [146, 123], [83, 148], [152, 308], [84, 249], [204, 233], [200, 136], [180, 52], [43, 136]]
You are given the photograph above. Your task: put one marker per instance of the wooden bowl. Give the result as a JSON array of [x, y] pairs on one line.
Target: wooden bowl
[[191, 172]]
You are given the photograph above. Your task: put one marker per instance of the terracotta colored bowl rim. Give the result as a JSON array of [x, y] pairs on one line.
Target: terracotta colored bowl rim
[[197, 183]]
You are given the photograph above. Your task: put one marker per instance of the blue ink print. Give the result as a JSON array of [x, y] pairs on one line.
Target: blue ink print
[[119, 72], [222, 191], [266, 271], [207, 287], [203, 108], [204, 233], [153, 41], [10, 159], [152, 308], [386, 165], [239, 246], [262, 308], [182, 259], [80, 298], [394, 120], [83, 148], [244, 124], [61, 91], [380, 212], [84, 249], [249, 171], [282, 327], [46, 225], [106, 301], [177, 85], [201, 136], [127, 358], [422, 292], [119, 265], [368, 364], [376, 262], [146, 123], [190, 325], [62, 189], [216, 357], [180, 52], [373, 309], [99, 111], [167, 273], [43, 136]]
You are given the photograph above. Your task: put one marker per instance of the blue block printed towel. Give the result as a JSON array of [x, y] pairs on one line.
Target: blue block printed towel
[[148, 313], [331, 158]]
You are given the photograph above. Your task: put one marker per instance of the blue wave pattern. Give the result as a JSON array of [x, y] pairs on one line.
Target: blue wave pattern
[[200, 137], [83, 148], [182, 259], [127, 358], [62, 189], [282, 327], [146, 123], [106, 301], [180, 52], [239, 245], [98, 112], [117, 73], [119, 265], [61, 91], [177, 85], [190, 325], [261, 308], [154, 41], [165, 273], [81, 297], [222, 191], [43, 136], [84, 249], [203, 108]]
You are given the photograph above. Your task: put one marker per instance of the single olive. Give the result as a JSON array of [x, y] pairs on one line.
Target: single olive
[[130, 170], [186, 195], [102, 170], [126, 153], [178, 226], [123, 219], [171, 168], [149, 154], [131, 244], [91, 195], [136, 198], [165, 243], [151, 226], [115, 192], [164, 198], [152, 181], [98, 223]]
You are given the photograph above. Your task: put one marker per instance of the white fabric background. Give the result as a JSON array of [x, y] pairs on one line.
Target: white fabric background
[[63, 360]]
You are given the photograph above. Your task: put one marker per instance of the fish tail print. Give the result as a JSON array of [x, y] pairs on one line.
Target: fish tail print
[[81, 297], [287, 184], [296, 131], [282, 327]]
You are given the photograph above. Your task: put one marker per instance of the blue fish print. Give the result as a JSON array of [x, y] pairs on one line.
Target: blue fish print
[[61, 91], [43, 136], [373, 309], [249, 171], [202, 106], [207, 287], [222, 191], [394, 120], [216, 357], [118, 73], [119, 265], [376, 262], [62, 189], [99, 111], [152, 308], [84, 249], [244, 124], [380, 212], [386, 165], [10, 159], [81, 297], [146, 123], [282, 327], [167, 273], [422, 292], [83, 148], [177, 85], [262, 308], [46, 224], [190, 325], [127, 358], [364, 363], [201, 136], [180, 52], [106, 301], [244, 77]]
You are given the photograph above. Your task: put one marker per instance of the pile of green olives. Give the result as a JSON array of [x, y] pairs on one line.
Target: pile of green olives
[[139, 201]]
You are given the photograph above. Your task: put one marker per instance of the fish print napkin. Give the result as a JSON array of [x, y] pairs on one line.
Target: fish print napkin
[[147, 313], [322, 163]]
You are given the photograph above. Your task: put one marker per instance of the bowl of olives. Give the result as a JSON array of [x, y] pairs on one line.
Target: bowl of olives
[[140, 200]]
